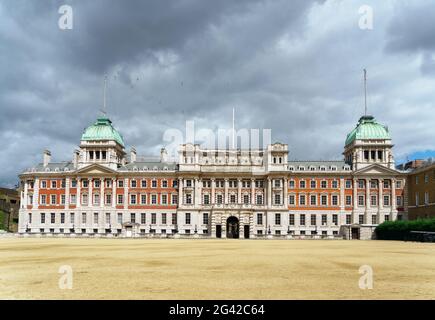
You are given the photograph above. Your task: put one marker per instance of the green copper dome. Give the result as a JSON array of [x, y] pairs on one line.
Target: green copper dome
[[102, 129], [367, 128]]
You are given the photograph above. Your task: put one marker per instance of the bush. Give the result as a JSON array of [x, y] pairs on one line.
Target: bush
[[400, 230]]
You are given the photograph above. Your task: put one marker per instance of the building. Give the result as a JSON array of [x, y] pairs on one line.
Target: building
[[421, 187], [9, 207], [229, 193]]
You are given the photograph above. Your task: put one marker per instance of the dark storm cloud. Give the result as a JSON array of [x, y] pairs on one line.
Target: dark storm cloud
[[292, 66]]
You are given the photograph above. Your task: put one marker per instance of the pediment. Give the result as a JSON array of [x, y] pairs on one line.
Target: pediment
[[95, 169], [376, 169]]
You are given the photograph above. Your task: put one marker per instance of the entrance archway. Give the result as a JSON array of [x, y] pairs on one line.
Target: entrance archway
[[233, 227]]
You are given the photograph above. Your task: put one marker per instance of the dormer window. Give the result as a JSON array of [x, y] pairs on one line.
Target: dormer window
[[301, 168], [322, 168], [312, 168], [291, 168]]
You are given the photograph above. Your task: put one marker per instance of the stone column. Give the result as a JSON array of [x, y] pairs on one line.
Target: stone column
[[239, 191], [67, 193], [26, 193], [126, 200], [197, 192], [285, 193], [114, 193], [180, 191], [380, 217], [78, 193], [366, 211], [342, 215], [213, 190], [225, 193], [90, 202], [102, 200], [36, 194], [355, 201], [253, 192], [269, 192]]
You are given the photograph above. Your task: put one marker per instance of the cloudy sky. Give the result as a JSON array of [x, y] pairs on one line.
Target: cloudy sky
[[292, 66]]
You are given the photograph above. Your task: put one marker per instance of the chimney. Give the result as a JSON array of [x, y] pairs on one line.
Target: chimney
[[133, 154], [76, 158], [46, 157], [163, 155]]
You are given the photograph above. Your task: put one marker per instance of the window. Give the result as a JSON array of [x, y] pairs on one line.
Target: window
[[386, 200], [108, 183], [302, 184], [206, 199], [96, 199], [324, 219], [188, 198], [108, 199], [348, 184], [373, 200], [387, 184], [374, 184], [119, 218], [63, 183], [53, 199], [335, 219], [73, 183], [132, 199], [143, 199], [313, 199], [398, 184], [85, 183], [52, 218], [174, 183], [313, 184], [43, 199], [324, 200], [277, 219], [335, 184], [302, 199], [97, 183], [426, 178], [259, 183], [219, 199], [291, 199], [43, 184], [120, 183], [361, 219], [366, 155], [361, 184], [335, 200], [120, 199], [323, 184], [313, 219], [399, 201], [143, 183], [302, 219], [84, 217], [73, 199], [277, 183], [259, 218], [164, 221], [164, 184], [348, 200], [95, 217], [259, 199], [233, 198], [62, 218], [133, 183], [164, 199], [361, 200], [374, 219], [133, 217], [291, 219], [85, 199], [143, 218], [291, 184], [387, 218], [53, 184], [277, 199], [174, 218], [62, 199], [246, 199], [205, 218], [348, 219], [188, 183], [107, 218], [174, 199], [187, 218], [416, 199], [153, 199], [426, 198], [154, 184]]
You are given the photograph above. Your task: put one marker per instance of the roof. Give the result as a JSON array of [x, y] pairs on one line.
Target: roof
[[52, 167], [319, 165], [149, 166], [102, 129], [367, 128]]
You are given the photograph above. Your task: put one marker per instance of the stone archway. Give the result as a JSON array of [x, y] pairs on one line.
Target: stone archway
[[233, 227]]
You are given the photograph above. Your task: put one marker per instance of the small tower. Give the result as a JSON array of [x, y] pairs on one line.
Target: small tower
[[368, 143]]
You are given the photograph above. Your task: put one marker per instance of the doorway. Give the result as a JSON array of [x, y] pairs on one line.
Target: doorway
[[355, 233], [218, 231], [128, 231], [233, 227], [246, 231]]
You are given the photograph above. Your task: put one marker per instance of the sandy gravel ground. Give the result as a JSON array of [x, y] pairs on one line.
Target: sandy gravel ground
[[214, 269]]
